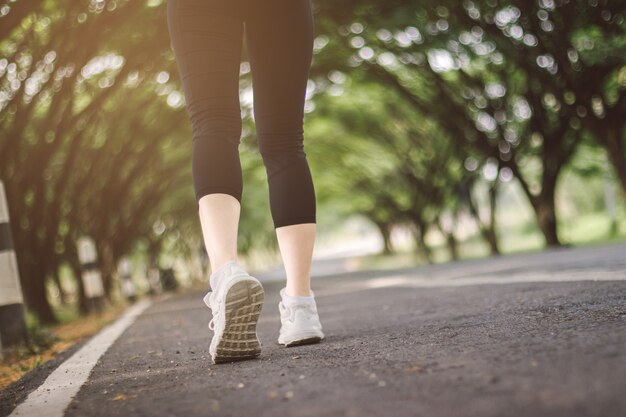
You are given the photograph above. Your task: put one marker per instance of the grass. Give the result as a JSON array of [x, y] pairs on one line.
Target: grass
[[593, 228], [586, 230]]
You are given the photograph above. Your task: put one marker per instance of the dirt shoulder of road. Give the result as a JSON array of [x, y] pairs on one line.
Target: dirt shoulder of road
[[49, 342]]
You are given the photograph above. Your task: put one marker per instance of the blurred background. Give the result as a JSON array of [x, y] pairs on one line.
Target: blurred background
[[435, 131]]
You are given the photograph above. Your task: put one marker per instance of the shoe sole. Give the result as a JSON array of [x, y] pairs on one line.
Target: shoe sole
[[306, 341], [239, 340]]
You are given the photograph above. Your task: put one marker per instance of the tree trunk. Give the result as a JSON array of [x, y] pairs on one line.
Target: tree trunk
[[543, 204], [34, 291], [492, 240], [548, 228], [453, 247], [545, 211], [489, 233], [77, 272], [419, 233], [385, 232], [57, 282], [451, 242], [107, 267], [617, 155]]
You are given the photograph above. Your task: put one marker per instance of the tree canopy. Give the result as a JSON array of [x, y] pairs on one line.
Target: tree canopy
[[412, 107]]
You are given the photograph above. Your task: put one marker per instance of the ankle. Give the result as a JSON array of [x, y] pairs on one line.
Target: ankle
[[219, 266], [217, 273], [298, 292], [300, 296]]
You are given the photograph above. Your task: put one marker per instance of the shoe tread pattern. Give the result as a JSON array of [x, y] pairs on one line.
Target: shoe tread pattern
[[239, 340]]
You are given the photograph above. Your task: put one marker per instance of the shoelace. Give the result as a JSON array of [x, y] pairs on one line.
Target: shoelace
[[292, 309]]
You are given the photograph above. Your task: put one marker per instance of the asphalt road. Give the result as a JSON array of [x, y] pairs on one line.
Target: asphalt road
[[525, 335]]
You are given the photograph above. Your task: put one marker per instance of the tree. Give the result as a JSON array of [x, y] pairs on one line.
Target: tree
[[90, 167], [498, 76]]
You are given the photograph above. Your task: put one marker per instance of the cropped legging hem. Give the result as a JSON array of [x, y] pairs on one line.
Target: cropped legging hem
[[279, 222], [223, 190], [294, 220]]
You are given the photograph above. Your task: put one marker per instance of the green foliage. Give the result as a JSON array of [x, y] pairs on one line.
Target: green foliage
[[513, 83]]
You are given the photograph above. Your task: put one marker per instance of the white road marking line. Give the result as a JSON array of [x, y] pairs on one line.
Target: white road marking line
[[55, 394], [529, 277], [408, 281]]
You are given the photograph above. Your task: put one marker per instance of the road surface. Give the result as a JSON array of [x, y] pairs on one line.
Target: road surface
[[524, 335]]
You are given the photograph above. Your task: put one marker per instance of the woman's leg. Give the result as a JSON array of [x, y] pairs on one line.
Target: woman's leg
[[206, 37], [219, 218], [279, 36], [296, 246]]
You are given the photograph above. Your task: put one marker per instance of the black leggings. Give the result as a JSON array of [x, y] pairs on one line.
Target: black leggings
[[206, 37]]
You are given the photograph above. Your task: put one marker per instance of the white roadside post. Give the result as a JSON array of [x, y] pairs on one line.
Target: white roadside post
[[154, 279], [92, 279], [12, 321], [126, 281]]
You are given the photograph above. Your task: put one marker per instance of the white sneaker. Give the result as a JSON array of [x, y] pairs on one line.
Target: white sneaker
[[300, 323], [236, 302]]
